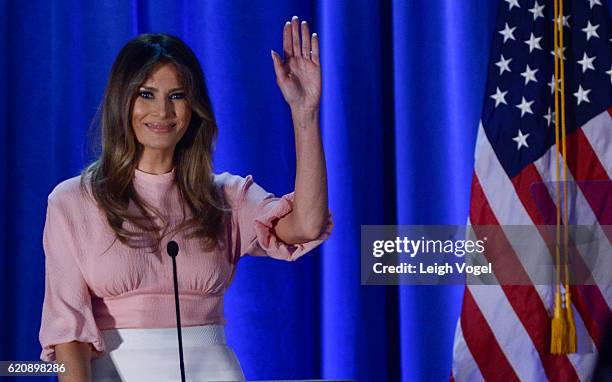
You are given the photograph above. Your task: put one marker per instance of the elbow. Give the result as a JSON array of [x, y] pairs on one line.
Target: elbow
[[312, 230]]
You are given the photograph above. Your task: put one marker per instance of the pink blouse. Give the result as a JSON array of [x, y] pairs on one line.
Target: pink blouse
[[94, 282]]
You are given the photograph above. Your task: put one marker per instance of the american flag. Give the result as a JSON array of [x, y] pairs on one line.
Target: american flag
[[503, 333]]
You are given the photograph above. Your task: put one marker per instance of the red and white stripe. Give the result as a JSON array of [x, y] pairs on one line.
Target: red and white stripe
[[504, 331]]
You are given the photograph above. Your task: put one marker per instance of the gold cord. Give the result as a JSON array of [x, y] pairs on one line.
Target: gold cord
[[563, 333]]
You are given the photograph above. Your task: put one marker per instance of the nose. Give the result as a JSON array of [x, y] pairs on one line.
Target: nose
[[165, 108]]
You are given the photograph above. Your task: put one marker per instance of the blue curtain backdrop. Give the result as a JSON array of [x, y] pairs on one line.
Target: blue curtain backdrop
[[403, 88]]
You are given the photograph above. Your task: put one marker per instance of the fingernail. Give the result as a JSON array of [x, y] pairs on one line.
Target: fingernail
[[304, 22], [315, 35], [287, 23], [294, 18], [272, 53]]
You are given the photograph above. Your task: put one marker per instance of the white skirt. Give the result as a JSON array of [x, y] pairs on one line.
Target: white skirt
[[135, 355]]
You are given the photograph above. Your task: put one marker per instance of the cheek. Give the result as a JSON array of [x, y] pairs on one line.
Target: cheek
[[138, 112], [183, 112]]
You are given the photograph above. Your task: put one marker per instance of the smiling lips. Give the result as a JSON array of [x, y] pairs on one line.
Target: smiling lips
[[160, 127]]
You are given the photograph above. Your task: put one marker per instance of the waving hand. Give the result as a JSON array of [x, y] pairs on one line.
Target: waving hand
[[299, 74]]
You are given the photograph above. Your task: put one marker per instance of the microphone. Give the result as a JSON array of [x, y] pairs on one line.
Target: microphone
[[173, 249]]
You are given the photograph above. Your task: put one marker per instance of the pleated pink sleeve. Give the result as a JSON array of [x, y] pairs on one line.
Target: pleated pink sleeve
[[67, 313], [255, 211]]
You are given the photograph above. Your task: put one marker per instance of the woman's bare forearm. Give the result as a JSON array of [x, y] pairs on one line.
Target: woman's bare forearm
[[77, 358], [310, 207]]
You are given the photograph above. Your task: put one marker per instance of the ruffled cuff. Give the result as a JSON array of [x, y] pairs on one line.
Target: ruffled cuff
[[272, 245], [48, 351]]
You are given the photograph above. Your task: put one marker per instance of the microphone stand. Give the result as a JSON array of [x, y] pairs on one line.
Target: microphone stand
[[173, 250]]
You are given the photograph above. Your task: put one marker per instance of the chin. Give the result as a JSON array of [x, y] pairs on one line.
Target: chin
[[157, 146], [167, 142]]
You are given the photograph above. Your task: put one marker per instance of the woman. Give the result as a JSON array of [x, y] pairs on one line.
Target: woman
[[109, 308]]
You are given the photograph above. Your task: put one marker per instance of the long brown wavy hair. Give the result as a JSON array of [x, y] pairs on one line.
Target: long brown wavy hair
[[111, 176]]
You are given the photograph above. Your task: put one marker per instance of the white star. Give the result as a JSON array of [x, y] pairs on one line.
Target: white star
[[582, 95], [507, 33], [537, 11], [533, 42], [593, 3], [551, 84], [587, 62], [565, 21], [521, 140], [609, 72], [559, 51], [549, 117], [590, 30], [504, 65], [512, 3], [529, 75], [499, 97], [525, 107]]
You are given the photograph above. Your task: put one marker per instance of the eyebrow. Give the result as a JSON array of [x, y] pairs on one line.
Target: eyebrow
[[150, 88]]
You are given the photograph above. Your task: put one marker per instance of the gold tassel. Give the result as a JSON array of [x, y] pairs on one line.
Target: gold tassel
[[557, 336], [570, 342]]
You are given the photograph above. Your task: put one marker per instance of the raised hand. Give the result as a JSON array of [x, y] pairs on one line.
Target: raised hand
[[299, 74]]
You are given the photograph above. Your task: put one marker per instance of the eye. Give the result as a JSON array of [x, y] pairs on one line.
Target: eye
[[177, 96], [145, 94]]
